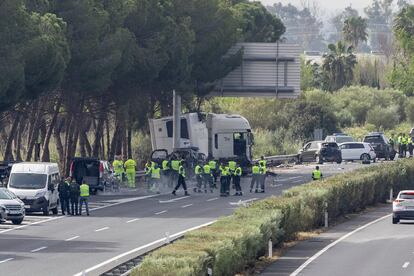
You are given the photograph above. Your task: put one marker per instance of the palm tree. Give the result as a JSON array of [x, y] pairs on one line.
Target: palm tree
[[355, 30], [338, 66]]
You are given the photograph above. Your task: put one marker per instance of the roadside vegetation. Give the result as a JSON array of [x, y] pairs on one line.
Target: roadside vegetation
[[235, 242]]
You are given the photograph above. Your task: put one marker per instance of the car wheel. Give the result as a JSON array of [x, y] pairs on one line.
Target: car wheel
[[395, 220], [17, 221], [46, 210], [318, 159], [55, 210], [339, 161], [365, 158]]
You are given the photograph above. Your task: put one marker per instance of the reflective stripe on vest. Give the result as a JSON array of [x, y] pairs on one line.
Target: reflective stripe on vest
[[165, 165], [181, 171], [256, 170], [207, 169], [197, 170], [155, 173], [84, 190], [238, 172]]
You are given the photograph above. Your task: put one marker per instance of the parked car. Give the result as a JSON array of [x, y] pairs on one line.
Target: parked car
[[339, 138], [320, 151], [358, 151], [11, 207], [35, 183], [381, 145], [96, 173], [403, 206]]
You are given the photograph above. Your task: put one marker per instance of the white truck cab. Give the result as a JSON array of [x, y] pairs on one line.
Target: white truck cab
[[36, 185], [218, 136]]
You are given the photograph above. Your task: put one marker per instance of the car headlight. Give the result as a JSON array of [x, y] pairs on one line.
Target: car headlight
[[2, 208], [40, 194]]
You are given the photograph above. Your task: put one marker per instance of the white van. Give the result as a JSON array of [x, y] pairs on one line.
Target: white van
[[36, 185]]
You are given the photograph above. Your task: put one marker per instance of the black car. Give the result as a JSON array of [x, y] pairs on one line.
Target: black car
[[319, 152], [381, 145]]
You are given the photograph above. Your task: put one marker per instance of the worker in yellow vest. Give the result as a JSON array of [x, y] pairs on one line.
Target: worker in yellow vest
[[84, 197], [198, 171], [130, 168], [255, 177], [156, 178], [118, 166], [213, 167], [181, 179], [316, 174], [147, 170], [237, 178]]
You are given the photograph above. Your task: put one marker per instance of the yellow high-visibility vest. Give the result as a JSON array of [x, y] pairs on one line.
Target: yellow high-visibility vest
[[84, 190]]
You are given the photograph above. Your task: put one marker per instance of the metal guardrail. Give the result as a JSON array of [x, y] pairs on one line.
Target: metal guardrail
[[278, 159]]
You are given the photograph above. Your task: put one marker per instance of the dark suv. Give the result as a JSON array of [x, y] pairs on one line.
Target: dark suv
[[380, 145], [319, 152]]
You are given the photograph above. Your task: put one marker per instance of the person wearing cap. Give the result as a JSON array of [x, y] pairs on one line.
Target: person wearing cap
[[316, 174], [64, 194]]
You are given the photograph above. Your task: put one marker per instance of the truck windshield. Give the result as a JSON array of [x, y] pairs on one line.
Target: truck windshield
[[27, 181]]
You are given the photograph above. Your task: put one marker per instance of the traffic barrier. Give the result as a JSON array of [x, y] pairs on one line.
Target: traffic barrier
[[234, 242]]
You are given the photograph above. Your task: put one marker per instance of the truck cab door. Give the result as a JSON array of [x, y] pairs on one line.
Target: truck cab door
[[224, 146]]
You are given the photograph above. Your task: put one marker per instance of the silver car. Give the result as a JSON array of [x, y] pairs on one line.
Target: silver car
[[11, 207]]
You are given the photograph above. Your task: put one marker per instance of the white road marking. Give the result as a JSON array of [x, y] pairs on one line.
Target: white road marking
[[38, 249], [136, 252], [188, 205], [241, 202], [277, 185], [73, 238], [162, 212], [101, 229], [6, 260], [326, 248], [293, 258], [297, 181], [406, 264], [173, 200], [212, 199], [61, 217], [133, 220]]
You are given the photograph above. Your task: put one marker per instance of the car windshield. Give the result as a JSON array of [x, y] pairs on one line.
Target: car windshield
[[407, 196], [373, 139], [27, 181], [4, 194], [330, 145], [344, 139]]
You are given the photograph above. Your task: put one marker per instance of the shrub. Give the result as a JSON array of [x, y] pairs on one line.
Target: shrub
[[236, 241], [382, 118]]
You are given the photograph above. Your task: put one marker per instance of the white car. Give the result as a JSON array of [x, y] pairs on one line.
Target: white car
[[11, 207], [403, 206], [357, 151]]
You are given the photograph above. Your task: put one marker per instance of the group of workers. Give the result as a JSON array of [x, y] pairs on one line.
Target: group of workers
[[122, 169], [403, 143], [259, 171], [73, 196]]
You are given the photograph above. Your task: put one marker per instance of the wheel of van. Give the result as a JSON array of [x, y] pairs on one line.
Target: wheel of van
[[46, 210], [55, 210], [318, 159], [395, 220], [17, 221], [339, 161]]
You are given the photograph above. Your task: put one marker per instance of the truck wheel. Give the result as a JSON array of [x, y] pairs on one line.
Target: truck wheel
[[395, 220], [17, 221], [339, 161]]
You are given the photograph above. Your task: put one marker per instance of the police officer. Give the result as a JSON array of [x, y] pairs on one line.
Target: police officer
[[155, 178], [237, 176], [392, 142], [181, 179], [130, 168], [232, 168], [405, 145], [316, 174], [84, 197], [255, 177], [147, 170], [166, 179], [224, 177], [399, 140], [64, 195], [175, 166], [410, 145], [198, 171], [213, 167], [263, 173], [208, 178], [74, 197]]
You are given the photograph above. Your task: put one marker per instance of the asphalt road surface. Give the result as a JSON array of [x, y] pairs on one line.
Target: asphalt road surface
[[64, 245]]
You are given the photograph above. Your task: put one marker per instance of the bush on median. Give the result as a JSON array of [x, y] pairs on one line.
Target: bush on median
[[236, 241]]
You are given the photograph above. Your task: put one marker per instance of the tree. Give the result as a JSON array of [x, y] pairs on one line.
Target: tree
[[355, 30], [338, 66], [338, 22], [379, 19]]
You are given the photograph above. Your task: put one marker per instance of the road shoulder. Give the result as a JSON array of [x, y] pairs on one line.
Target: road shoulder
[[296, 256]]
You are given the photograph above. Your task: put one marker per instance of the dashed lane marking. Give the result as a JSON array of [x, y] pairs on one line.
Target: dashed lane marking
[[406, 264], [38, 249], [173, 200], [101, 229], [188, 205], [162, 212], [6, 260], [212, 199], [73, 238], [133, 220]]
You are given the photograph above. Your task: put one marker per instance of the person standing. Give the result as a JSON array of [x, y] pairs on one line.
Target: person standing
[[316, 174], [410, 145], [224, 172], [392, 142], [232, 168], [213, 167], [130, 169], [64, 195], [84, 197], [74, 197], [155, 178], [175, 166], [166, 179], [263, 174], [181, 179], [255, 178], [118, 166], [147, 170], [237, 177], [199, 178], [208, 177], [399, 140]]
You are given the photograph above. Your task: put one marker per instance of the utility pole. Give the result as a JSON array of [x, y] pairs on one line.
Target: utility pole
[[176, 120]]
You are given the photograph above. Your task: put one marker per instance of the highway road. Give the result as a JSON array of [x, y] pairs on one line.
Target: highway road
[[64, 245]]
